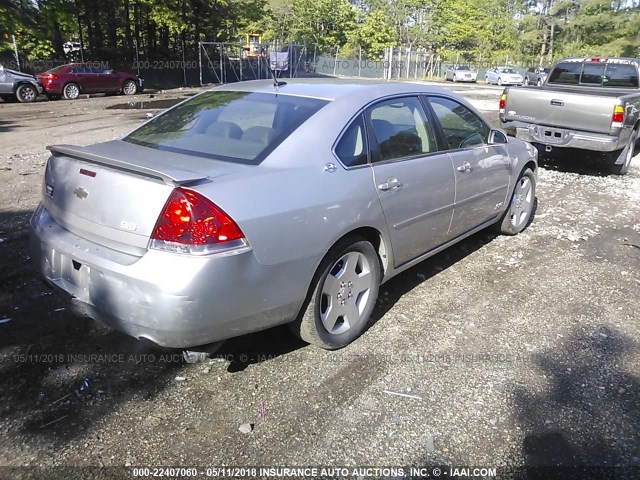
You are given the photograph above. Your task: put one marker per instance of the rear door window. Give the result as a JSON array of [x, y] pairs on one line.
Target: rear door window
[[234, 126], [401, 129]]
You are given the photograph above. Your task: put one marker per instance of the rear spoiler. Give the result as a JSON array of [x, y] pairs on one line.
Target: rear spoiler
[[170, 176]]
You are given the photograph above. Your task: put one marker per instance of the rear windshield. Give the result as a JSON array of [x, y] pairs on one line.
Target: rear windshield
[[595, 74], [56, 69], [234, 126]]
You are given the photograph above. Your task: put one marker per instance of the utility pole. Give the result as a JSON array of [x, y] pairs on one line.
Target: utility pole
[[15, 51]]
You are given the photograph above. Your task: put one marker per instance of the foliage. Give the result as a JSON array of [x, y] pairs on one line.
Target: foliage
[[528, 31]]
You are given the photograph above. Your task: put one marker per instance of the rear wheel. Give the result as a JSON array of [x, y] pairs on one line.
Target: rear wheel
[[344, 294], [129, 87], [625, 156], [71, 91], [522, 204], [26, 93]]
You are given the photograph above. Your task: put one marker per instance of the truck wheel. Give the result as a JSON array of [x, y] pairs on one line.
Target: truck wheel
[[26, 93], [343, 295], [521, 206], [625, 156]]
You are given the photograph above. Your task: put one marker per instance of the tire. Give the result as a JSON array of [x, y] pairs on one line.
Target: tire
[[455, 79], [486, 80], [539, 83], [26, 93], [521, 205], [324, 319], [526, 81], [625, 156], [129, 87], [71, 91], [499, 81]]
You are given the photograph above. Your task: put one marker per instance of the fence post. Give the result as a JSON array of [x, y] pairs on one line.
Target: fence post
[[390, 73], [359, 60], [222, 69], [408, 60], [200, 60], [335, 62]]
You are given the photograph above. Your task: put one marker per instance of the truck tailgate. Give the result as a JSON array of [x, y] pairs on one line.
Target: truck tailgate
[[560, 109]]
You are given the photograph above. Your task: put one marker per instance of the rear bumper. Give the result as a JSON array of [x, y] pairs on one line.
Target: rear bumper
[[172, 300], [566, 138]]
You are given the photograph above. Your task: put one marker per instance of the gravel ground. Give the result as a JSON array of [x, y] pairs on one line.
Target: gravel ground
[[501, 351]]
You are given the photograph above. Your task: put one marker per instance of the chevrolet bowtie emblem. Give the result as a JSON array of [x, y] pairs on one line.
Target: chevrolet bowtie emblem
[[81, 193]]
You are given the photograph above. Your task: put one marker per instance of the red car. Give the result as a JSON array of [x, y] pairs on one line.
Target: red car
[[69, 81]]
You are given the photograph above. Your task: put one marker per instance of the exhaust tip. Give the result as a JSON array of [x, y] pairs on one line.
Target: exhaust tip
[[548, 148]]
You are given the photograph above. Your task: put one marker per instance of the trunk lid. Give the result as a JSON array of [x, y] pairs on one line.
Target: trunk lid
[[561, 109], [113, 193]]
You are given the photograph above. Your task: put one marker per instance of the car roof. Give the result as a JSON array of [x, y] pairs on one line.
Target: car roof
[[602, 59], [332, 89]]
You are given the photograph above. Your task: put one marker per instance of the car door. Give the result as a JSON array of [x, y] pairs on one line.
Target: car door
[[491, 76], [482, 170], [414, 180], [6, 83]]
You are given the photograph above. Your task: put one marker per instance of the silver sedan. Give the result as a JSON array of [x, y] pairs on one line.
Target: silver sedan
[[503, 76], [253, 205], [460, 73]]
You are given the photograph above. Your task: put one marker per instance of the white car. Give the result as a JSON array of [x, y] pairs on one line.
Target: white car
[[460, 73], [503, 76]]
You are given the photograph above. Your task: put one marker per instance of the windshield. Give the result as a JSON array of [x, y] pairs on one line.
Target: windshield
[[507, 70], [234, 126], [462, 67]]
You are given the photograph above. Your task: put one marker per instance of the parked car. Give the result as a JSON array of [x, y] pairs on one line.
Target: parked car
[[536, 76], [228, 213], [71, 80], [503, 76], [587, 103], [460, 73], [17, 85]]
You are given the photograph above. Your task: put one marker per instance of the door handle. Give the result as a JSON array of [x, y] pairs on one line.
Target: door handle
[[390, 184], [465, 167]]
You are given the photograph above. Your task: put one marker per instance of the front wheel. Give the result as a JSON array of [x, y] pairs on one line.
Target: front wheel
[[343, 296], [526, 81], [455, 79], [499, 81], [522, 204], [626, 156], [26, 93], [539, 82], [129, 87]]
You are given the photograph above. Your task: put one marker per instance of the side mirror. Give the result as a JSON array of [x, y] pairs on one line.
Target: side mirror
[[498, 137]]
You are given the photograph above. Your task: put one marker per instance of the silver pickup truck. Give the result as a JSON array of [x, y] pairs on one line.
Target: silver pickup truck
[[585, 103]]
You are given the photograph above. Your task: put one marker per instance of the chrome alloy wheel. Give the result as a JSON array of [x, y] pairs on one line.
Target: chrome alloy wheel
[[521, 203], [345, 292]]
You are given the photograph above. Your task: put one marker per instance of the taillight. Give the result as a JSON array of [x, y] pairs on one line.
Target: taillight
[[618, 114], [503, 102], [191, 223]]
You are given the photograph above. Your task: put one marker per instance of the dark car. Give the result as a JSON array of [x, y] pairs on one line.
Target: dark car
[[536, 76], [21, 86], [69, 81]]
